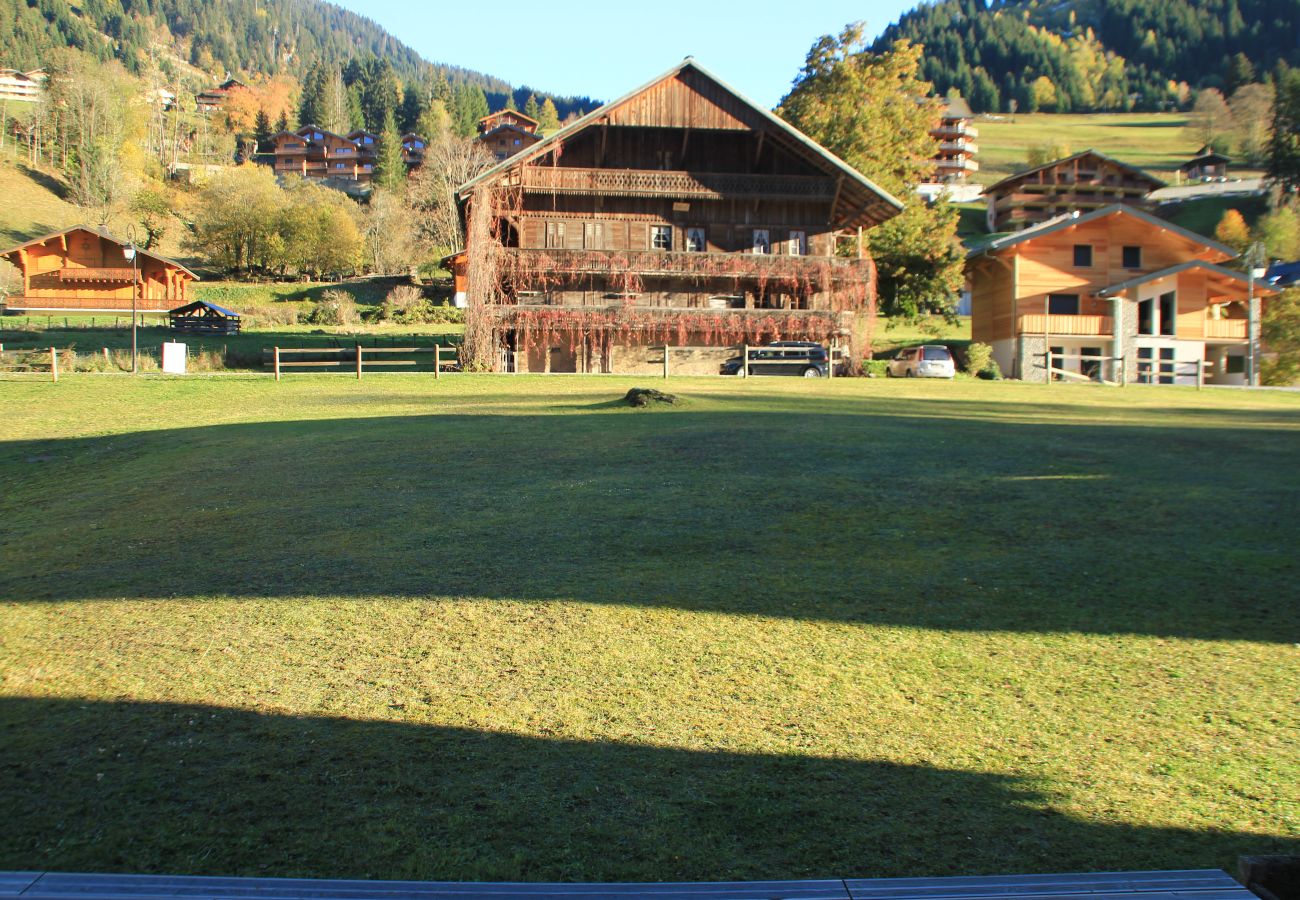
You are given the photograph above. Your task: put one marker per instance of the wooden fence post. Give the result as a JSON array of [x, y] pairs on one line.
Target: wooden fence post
[[745, 350], [358, 360], [106, 356], [437, 361], [1047, 359], [54, 364], [830, 353], [1200, 374], [277, 363], [665, 360]]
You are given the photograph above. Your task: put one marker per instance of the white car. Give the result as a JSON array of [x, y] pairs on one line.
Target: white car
[[929, 361]]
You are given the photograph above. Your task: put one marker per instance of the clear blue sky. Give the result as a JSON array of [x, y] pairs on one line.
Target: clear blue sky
[[605, 49]]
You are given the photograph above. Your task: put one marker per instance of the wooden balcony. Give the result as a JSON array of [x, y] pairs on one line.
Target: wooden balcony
[[1067, 326], [113, 276], [816, 272], [675, 185], [1225, 329], [84, 303]]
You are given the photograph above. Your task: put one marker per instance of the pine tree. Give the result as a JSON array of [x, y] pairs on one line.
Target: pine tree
[[510, 103], [1232, 231], [1284, 145], [549, 118], [414, 103], [334, 113], [390, 171], [531, 109], [282, 123], [262, 131]]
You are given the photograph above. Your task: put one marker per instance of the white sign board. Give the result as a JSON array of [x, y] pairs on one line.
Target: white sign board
[[173, 358]]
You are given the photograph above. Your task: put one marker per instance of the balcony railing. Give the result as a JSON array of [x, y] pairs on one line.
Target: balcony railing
[[1082, 326], [685, 185], [117, 276], [89, 304], [956, 131], [959, 147], [817, 272], [1226, 329]]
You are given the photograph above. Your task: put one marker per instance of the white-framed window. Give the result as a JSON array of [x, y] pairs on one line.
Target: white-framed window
[[554, 235], [797, 244], [340, 165], [593, 235], [342, 151], [661, 237], [762, 241], [696, 240]]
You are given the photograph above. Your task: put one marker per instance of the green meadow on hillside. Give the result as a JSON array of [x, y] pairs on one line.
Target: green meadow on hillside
[[506, 628]]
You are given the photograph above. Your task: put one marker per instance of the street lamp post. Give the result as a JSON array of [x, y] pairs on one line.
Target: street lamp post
[[131, 253], [1254, 268]]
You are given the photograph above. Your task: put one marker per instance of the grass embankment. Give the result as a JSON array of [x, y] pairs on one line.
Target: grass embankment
[[502, 628]]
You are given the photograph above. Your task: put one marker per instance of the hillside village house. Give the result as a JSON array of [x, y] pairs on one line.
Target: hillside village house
[[679, 214], [86, 269], [25, 87], [1207, 163], [413, 147], [313, 152], [213, 99], [507, 132], [1113, 283], [1079, 183], [955, 159]]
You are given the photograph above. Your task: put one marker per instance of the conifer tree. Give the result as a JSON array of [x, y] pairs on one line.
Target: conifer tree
[[390, 171], [262, 131], [549, 117], [531, 109]]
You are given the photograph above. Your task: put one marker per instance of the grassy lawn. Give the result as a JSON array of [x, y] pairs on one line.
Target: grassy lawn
[[1157, 142], [504, 628]]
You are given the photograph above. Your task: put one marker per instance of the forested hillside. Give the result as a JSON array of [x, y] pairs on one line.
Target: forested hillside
[[1092, 55], [220, 37]]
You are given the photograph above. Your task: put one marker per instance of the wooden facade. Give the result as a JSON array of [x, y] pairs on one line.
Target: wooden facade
[[314, 152], [85, 268], [678, 214], [1114, 283], [954, 158], [1206, 164], [213, 99], [1079, 183]]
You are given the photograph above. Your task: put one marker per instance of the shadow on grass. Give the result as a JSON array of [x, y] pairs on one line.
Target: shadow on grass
[[160, 788], [961, 523]]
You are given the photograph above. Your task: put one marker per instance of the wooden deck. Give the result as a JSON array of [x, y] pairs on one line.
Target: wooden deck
[[1208, 884]]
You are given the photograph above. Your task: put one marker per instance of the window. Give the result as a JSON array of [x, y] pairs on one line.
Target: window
[[665, 159], [593, 235], [1063, 304], [762, 241], [342, 150], [1168, 313], [798, 243], [1132, 257], [1083, 256], [554, 235], [661, 237], [696, 242], [1147, 317]]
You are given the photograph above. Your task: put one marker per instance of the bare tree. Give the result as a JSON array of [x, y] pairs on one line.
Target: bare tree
[[389, 232], [1211, 117], [449, 162]]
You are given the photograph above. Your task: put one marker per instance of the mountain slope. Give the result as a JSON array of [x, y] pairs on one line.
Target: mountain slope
[[240, 37], [1097, 54]]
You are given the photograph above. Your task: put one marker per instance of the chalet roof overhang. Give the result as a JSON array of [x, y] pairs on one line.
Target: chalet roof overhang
[[508, 127], [1229, 281], [200, 305], [1206, 158], [500, 113], [858, 200], [1154, 182], [1073, 220], [99, 233]]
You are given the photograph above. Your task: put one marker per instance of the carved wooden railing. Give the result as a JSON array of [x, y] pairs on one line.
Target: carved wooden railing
[[652, 183], [89, 274], [89, 304], [817, 271], [1083, 326], [1230, 329]]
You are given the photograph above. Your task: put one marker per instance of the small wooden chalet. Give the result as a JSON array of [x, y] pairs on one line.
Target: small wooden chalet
[[87, 269], [213, 99], [511, 117], [1114, 284], [682, 214], [413, 147], [954, 159], [1207, 163], [201, 317], [313, 152], [1079, 183]]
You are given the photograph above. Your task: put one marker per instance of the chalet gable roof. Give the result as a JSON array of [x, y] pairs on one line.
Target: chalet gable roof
[[859, 193], [1220, 272], [1010, 179], [100, 233], [1051, 226], [509, 112]]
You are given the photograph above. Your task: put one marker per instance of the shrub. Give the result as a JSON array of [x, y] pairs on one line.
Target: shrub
[[980, 362], [334, 308], [272, 315], [206, 361], [407, 305], [875, 368]]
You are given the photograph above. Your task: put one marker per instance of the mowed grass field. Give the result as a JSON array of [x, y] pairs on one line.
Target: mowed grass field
[[503, 628]]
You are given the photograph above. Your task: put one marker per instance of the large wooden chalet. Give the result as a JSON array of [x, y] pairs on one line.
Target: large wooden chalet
[[507, 132], [1079, 183], [87, 269], [314, 152], [1116, 294], [679, 214]]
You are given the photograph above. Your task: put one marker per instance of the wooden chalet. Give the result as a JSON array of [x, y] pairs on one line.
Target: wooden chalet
[[85, 268], [507, 132], [1207, 163], [954, 159], [413, 148], [1079, 183], [679, 214], [512, 117], [213, 99], [313, 152], [1114, 284]]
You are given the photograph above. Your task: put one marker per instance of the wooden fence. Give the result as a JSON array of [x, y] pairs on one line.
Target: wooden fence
[[36, 361], [357, 358]]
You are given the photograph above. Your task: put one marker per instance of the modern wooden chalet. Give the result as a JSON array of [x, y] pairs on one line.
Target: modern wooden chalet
[[507, 132], [1079, 183], [679, 214], [413, 147], [213, 99], [87, 269], [1116, 283], [955, 157], [314, 152]]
